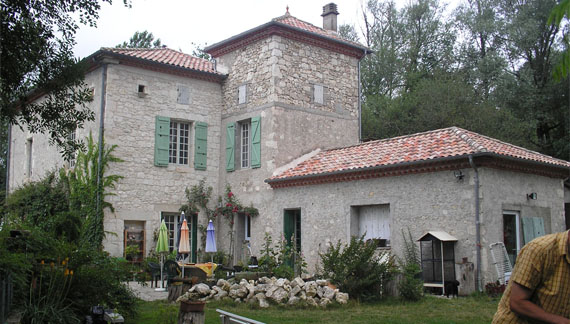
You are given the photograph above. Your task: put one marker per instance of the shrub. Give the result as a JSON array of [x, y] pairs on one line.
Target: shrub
[[357, 269], [411, 285], [494, 289]]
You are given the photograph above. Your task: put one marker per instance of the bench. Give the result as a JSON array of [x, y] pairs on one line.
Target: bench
[[229, 318]]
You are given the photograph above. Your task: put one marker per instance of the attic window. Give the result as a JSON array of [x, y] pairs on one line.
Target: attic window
[[242, 91], [142, 90], [318, 94], [183, 95]]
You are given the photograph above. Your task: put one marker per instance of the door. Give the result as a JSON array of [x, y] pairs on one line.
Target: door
[[512, 234], [292, 230]]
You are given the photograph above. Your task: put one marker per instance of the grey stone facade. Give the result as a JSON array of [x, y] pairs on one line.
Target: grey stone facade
[[281, 75]]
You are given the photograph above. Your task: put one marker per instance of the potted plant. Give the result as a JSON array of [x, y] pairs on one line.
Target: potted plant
[[132, 252]]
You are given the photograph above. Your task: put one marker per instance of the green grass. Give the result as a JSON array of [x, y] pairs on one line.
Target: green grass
[[479, 309]]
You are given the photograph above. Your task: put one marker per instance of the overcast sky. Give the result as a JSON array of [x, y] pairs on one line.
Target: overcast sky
[[179, 23]]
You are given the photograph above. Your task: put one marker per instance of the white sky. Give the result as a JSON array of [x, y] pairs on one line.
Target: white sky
[[179, 23]]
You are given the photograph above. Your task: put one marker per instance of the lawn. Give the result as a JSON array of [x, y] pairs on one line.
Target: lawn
[[479, 309]]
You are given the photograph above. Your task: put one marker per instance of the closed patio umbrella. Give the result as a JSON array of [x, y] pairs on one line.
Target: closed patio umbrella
[[178, 232], [211, 239], [162, 248], [184, 247]]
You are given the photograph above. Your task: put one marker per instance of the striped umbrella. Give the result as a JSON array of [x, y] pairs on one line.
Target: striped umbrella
[[184, 247], [162, 248]]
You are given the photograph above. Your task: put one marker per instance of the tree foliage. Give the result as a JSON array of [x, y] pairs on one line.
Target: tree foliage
[[494, 77], [142, 39], [37, 58]]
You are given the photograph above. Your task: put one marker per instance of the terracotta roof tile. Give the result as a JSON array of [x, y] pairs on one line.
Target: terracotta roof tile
[[289, 20], [432, 145], [167, 56]]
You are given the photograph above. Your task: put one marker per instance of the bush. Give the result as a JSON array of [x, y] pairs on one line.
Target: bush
[[356, 268], [411, 285]]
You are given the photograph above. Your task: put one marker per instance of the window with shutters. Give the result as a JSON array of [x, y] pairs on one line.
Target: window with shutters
[[243, 144], [179, 142]]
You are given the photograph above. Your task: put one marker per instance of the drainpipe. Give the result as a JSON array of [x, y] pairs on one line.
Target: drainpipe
[[101, 131], [359, 105], [477, 224], [8, 159]]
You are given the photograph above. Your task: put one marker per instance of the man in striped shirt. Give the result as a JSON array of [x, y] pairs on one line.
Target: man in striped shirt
[[539, 288]]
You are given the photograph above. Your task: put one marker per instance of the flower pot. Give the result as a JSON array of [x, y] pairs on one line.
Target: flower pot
[[192, 306]]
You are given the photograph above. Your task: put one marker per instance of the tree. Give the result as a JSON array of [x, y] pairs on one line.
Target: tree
[[142, 39], [561, 11], [37, 42]]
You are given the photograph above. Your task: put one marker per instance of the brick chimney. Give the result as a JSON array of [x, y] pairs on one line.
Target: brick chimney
[[329, 17]]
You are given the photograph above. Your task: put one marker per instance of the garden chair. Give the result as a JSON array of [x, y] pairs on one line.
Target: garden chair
[[154, 269], [501, 262], [172, 271]]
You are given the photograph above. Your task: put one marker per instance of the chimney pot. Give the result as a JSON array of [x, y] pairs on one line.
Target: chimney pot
[[329, 17]]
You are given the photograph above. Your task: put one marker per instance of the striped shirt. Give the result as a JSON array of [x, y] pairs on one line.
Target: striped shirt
[[543, 266]]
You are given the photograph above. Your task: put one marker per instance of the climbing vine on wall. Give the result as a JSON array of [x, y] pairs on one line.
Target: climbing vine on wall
[[198, 197]]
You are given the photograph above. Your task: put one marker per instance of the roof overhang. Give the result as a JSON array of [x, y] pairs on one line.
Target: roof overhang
[[103, 56], [483, 159], [281, 29], [440, 235]]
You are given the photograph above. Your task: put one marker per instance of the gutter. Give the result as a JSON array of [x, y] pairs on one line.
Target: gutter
[[477, 224], [359, 103]]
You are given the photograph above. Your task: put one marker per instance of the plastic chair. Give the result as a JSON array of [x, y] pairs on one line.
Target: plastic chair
[[501, 262], [154, 269], [172, 270]]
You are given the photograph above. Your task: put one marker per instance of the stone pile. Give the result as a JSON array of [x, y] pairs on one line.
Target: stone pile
[[266, 290]]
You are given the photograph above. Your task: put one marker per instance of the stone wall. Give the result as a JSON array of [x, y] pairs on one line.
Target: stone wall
[[46, 157], [147, 190], [277, 69], [421, 202]]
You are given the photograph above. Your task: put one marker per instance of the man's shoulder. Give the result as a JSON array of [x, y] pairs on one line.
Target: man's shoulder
[[549, 241]]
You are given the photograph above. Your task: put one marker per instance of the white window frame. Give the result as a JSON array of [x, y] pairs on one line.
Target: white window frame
[[245, 144], [247, 229], [179, 143], [171, 221], [518, 228]]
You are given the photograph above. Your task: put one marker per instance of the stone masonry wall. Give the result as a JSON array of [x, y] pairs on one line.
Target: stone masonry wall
[[277, 69], [147, 190], [46, 157], [421, 202]]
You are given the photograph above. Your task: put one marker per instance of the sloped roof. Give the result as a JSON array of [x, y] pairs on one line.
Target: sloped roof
[[440, 235], [291, 24], [166, 56], [421, 147]]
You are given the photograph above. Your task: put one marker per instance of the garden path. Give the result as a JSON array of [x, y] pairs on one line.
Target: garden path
[[146, 292]]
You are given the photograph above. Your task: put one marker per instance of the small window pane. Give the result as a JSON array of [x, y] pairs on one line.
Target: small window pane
[[245, 145], [179, 143]]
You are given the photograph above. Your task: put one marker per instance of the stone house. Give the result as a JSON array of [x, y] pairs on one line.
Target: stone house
[[267, 116]]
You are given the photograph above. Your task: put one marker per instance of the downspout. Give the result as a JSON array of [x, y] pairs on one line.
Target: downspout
[[8, 159], [359, 104], [477, 224], [101, 131]]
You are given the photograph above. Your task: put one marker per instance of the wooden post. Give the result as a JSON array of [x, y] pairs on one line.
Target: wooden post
[[191, 317]]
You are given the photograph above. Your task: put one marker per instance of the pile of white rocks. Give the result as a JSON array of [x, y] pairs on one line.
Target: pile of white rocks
[[261, 292]]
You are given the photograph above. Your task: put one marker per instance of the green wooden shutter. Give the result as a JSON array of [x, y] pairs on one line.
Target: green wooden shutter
[[194, 243], [161, 140], [230, 146], [200, 146], [533, 227], [256, 142]]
